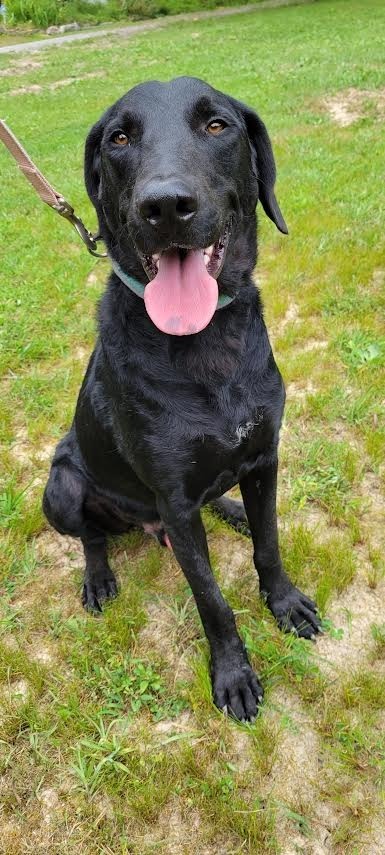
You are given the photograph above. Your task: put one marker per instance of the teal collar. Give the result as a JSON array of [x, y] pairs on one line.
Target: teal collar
[[138, 289]]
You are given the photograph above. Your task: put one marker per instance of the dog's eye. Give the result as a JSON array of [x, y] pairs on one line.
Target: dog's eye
[[120, 139], [216, 127]]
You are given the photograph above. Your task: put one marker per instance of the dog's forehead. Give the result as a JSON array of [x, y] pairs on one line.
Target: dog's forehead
[[178, 94]]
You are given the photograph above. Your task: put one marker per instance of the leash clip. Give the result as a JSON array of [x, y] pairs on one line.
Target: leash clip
[[44, 189], [66, 210]]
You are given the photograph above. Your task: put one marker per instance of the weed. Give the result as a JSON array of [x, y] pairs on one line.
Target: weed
[[11, 500], [100, 757], [359, 349]]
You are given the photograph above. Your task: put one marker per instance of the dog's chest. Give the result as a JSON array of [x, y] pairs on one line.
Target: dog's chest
[[245, 429], [218, 460]]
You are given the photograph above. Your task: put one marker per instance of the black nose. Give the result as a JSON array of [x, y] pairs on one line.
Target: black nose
[[167, 203]]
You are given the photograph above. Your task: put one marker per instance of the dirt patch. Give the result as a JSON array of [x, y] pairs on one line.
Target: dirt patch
[[68, 81], [378, 278], [39, 651], [92, 279], [21, 448], [20, 67], [183, 725], [63, 551], [23, 451], [294, 778], [290, 317], [52, 584], [241, 751], [375, 838], [374, 509], [355, 611], [172, 830], [35, 88], [234, 557], [344, 433], [32, 89], [314, 344], [314, 519], [353, 104], [161, 634], [17, 691], [81, 353], [175, 831], [296, 765], [299, 391], [49, 800]]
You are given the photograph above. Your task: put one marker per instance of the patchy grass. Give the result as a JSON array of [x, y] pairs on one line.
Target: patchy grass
[[109, 740]]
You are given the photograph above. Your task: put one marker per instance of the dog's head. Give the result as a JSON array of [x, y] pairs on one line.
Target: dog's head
[[175, 171]]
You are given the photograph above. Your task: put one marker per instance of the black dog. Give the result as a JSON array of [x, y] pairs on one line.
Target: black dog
[[182, 398]]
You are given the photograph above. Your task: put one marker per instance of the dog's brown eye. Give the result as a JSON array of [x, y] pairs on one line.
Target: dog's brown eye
[[121, 139], [216, 127]]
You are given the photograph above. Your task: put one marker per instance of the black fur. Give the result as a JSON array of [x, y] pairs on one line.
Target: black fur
[[165, 424]]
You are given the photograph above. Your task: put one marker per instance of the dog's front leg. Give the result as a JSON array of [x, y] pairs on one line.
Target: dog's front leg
[[235, 687], [293, 610]]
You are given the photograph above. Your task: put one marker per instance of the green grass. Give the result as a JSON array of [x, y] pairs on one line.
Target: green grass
[[45, 13], [110, 741]]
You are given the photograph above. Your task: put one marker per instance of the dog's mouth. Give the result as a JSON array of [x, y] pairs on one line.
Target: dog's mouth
[[213, 256], [182, 294]]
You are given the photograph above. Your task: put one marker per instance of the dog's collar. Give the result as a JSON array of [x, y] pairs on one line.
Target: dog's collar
[[138, 289]]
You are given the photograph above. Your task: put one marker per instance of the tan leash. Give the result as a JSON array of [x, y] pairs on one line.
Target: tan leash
[[45, 190]]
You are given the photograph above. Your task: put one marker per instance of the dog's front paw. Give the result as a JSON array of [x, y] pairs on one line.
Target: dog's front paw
[[294, 611], [236, 690], [97, 591]]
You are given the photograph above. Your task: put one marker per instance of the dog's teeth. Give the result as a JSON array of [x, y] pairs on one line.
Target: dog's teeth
[[209, 250]]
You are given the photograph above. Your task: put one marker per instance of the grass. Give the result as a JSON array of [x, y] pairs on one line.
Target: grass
[[109, 739], [46, 13]]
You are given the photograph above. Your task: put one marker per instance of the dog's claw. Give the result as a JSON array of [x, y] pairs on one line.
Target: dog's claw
[[94, 595], [236, 690], [91, 603], [294, 612]]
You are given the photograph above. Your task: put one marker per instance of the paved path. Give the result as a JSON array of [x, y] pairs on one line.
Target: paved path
[[132, 30]]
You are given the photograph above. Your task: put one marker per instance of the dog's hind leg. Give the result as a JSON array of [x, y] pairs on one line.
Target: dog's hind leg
[[99, 580], [64, 495], [64, 506], [232, 512]]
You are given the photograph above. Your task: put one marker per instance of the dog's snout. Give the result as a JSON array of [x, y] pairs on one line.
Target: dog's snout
[[167, 203]]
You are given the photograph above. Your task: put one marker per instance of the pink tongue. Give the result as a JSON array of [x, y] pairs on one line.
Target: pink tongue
[[182, 298]]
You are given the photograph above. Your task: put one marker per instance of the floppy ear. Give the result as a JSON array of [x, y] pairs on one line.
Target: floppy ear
[[92, 172], [264, 165]]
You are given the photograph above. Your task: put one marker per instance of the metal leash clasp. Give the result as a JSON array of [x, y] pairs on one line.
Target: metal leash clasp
[[66, 210]]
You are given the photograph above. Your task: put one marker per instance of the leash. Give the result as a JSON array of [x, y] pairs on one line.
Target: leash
[[45, 190], [59, 204]]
